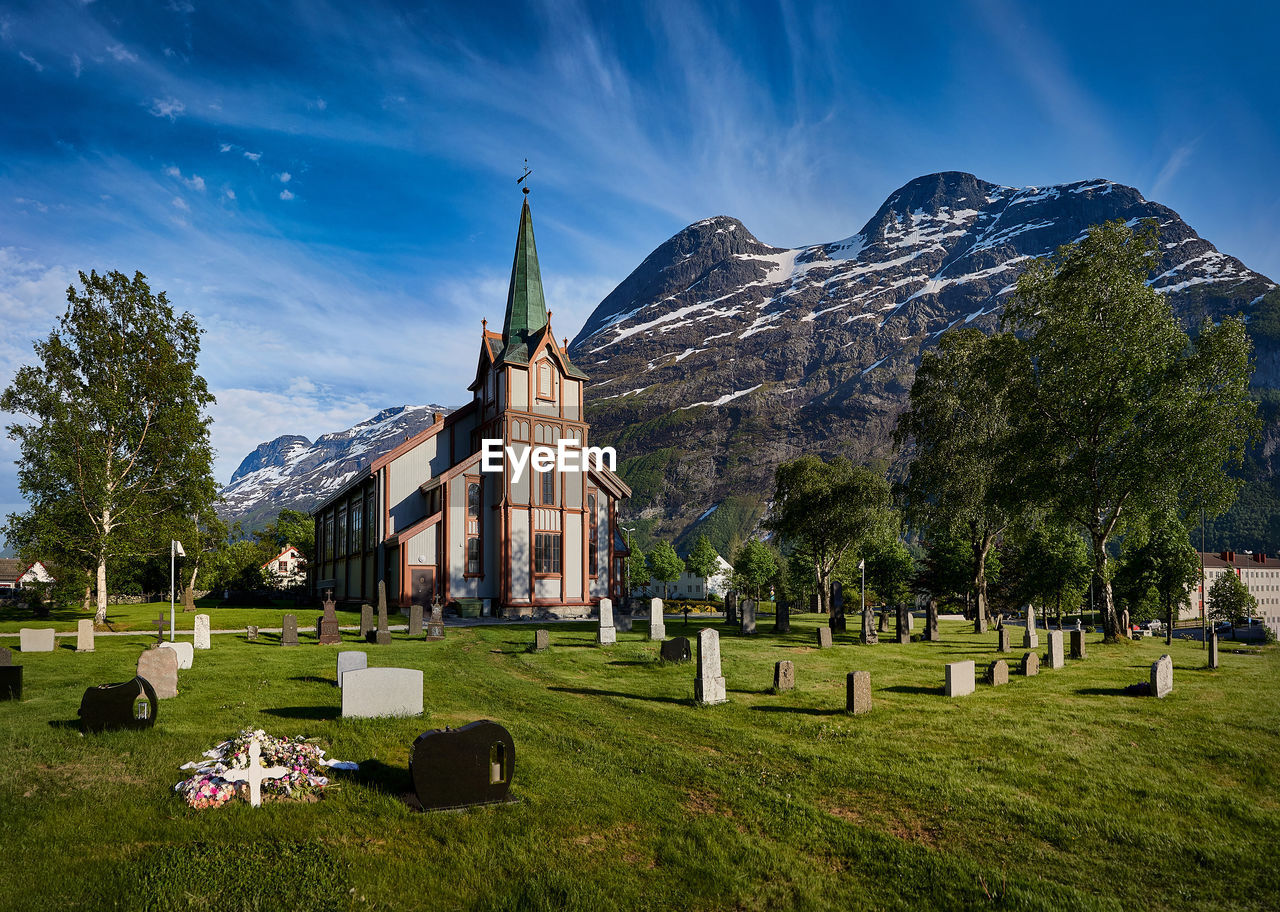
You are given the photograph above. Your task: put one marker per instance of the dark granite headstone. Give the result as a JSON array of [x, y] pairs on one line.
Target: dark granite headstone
[[837, 622], [10, 682], [366, 621], [327, 629], [1213, 648], [731, 607], [883, 626], [814, 605], [931, 622], [415, 620], [782, 616], [461, 767], [904, 625], [289, 637], [676, 649], [6, 656], [869, 635], [1077, 644], [1005, 643], [435, 622], [748, 617], [132, 704]]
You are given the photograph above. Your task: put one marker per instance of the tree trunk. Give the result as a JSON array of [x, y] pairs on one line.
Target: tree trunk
[[101, 616], [1111, 626], [1059, 612], [824, 587], [88, 594], [980, 586], [1168, 622]]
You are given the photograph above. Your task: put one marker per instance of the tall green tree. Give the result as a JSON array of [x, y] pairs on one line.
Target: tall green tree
[[830, 508], [890, 568], [703, 560], [665, 565], [1230, 600], [117, 438], [637, 568], [755, 565], [960, 426], [1122, 416], [1053, 565]]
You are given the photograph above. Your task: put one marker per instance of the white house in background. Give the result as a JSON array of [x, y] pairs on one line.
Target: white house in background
[[688, 586], [288, 568]]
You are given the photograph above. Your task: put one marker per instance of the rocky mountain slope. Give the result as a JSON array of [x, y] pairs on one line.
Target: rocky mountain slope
[[291, 471], [721, 356]]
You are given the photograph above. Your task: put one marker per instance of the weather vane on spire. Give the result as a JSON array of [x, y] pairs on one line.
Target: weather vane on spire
[[521, 178]]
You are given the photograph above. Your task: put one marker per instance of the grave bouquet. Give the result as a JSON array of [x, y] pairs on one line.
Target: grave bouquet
[[301, 757]]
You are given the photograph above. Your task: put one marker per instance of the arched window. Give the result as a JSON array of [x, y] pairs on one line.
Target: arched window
[[475, 527], [473, 500], [546, 381]]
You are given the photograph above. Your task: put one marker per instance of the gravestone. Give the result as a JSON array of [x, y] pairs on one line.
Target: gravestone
[[252, 633], [462, 767], [366, 621], [998, 673], [904, 626], [541, 640], [607, 635], [289, 636], [373, 692], [1056, 657], [676, 650], [814, 605], [381, 636], [1004, 644], [415, 620], [1162, 677], [188, 599], [382, 597], [837, 622], [84, 635], [435, 621], [782, 615], [748, 617], [1213, 649], [657, 624], [884, 620], [10, 682], [6, 656], [980, 620], [911, 620], [1126, 628], [1030, 638], [708, 688], [731, 607], [931, 634], [32, 639], [1000, 621], [327, 632], [133, 704], [160, 668], [960, 678], [869, 635], [254, 772], [824, 637], [349, 660], [202, 632], [159, 624], [784, 676], [857, 692], [1077, 644], [1030, 664], [185, 651]]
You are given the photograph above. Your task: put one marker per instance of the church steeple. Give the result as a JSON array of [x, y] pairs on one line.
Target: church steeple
[[526, 306]]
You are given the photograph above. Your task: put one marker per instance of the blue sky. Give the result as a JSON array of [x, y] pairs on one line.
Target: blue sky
[[330, 188]]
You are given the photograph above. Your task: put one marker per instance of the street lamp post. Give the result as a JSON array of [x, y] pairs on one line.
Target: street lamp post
[[175, 552]]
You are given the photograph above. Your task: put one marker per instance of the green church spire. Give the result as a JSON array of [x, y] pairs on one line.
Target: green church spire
[[526, 307]]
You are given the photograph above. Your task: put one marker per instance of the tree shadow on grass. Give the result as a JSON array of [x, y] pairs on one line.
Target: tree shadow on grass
[[319, 713], [802, 710], [1106, 692], [312, 679], [65, 724], [634, 662], [913, 689], [591, 692]]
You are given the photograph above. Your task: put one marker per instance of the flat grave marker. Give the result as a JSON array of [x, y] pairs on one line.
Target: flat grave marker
[[374, 692]]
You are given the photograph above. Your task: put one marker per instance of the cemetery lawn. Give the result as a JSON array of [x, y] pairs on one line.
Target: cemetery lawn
[[141, 617], [1055, 792]]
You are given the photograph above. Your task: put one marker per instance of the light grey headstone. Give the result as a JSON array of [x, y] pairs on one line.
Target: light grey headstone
[[857, 699], [186, 653], [84, 635], [541, 640], [1030, 664], [1030, 637], [202, 631], [373, 692], [960, 678], [1213, 649], [998, 673], [709, 688], [350, 660], [784, 676], [824, 637], [1162, 677], [608, 634], [35, 639], [160, 668], [748, 610], [657, 624], [1056, 657], [251, 633], [869, 635]]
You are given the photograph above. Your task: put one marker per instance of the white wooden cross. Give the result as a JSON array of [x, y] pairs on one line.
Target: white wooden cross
[[255, 773]]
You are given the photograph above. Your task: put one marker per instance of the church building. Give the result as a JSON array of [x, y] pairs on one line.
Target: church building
[[427, 518]]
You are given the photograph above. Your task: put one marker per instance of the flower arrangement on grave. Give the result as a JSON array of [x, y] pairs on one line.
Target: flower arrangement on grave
[[297, 771]]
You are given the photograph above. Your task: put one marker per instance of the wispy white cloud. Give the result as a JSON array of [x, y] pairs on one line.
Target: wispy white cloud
[[229, 193], [76, 67], [36, 64], [286, 195], [225, 147], [284, 177], [121, 53], [195, 181], [1176, 161], [253, 156], [180, 203], [167, 107], [34, 204]]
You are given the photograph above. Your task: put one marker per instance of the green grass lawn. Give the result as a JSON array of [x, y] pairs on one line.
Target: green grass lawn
[[1054, 792], [142, 617]]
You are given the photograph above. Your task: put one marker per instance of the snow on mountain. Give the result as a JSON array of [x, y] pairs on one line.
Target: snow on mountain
[[291, 471]]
